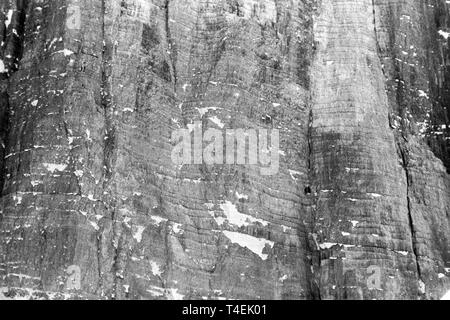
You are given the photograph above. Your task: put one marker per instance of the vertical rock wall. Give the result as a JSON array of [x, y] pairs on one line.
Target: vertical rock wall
[[91, 205], [372, 170]]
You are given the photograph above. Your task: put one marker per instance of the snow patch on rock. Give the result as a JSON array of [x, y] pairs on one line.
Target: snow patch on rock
[[2, 67], [236, 218], [156, 270], [174, 295], [138, 234], [9, 18], [444, 34], [52, 167], [446, 296], [256, 245], [157, 220]]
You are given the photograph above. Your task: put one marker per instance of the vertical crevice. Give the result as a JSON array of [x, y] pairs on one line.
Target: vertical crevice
[[106, 100], [307, 79], [12, 46], [108, 145], [172, 50], [374, 13], [311, 241], [4, 128], [109, 154], [99, 261], [309, 141], [4, 106], [375, 31], [405, 163], [72, 161], [11, 51]]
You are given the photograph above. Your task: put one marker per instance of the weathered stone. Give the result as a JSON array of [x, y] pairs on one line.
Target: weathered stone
[[92, 206]]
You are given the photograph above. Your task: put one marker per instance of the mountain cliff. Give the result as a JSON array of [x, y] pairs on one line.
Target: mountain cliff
[[91, 205]]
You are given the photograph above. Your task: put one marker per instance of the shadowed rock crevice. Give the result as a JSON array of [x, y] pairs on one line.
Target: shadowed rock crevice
[[171, 45], [4, 124], [11, 50], [405, 163]]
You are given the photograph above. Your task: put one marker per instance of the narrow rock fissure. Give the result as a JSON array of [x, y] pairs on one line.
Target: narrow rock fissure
[[314, 273], [12, 49], [314, 261], [108, 150], [4, 128], [405, 162], [99, 261], [106, 101], [375, 26], [170, 44]]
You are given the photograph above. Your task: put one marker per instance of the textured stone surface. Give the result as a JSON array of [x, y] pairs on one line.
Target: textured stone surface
[[358, 89]]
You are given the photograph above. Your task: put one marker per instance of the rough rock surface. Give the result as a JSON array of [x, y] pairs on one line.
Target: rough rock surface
[[91, 205]]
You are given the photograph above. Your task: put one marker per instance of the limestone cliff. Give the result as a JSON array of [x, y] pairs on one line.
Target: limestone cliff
[[92, 206]]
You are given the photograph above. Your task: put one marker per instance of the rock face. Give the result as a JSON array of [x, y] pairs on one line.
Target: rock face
[[92, 206]]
